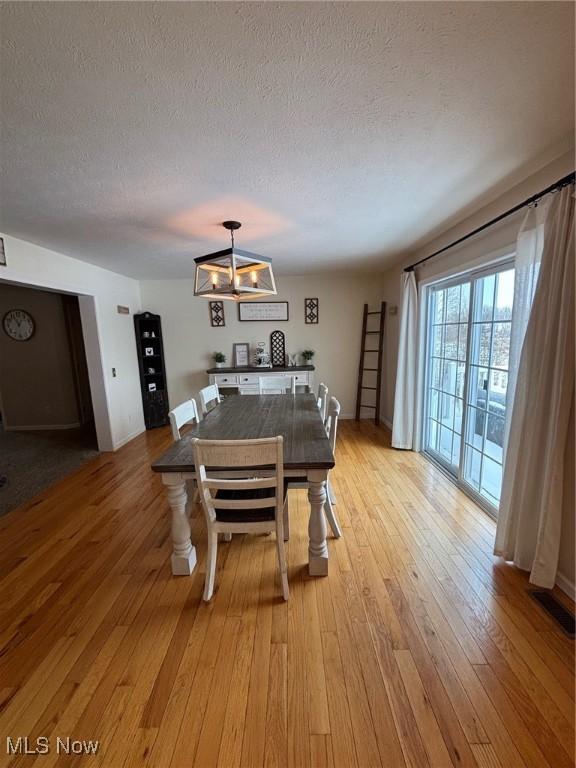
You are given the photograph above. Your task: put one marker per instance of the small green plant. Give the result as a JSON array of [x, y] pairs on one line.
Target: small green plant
[[219, 357], [308, 354]]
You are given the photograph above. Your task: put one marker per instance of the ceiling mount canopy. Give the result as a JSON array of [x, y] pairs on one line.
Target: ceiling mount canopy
[[232, 273]]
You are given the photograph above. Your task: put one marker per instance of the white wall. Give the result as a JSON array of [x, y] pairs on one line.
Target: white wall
[[189, 339], [108, 336], [495, 241]]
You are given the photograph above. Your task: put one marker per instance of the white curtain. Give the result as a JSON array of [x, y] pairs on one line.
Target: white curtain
[[405, 394], [529, 247], [530, 516]]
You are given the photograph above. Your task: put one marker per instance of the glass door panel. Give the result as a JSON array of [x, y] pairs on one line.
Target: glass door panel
[[467, 356], [487, 383], [448, 318]]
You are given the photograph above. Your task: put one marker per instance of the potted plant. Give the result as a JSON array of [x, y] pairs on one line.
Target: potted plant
[[219, 359], [307, 355]]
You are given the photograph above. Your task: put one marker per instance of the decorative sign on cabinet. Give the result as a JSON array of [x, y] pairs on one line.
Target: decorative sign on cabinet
[[241, 354]]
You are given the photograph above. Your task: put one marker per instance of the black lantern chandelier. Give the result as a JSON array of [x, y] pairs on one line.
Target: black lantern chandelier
[[232, 273]]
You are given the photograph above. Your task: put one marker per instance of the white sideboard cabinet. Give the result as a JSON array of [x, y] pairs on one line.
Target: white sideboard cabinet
[[246, 379]]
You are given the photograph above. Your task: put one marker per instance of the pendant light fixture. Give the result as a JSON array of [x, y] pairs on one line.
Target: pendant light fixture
[[232, 273]]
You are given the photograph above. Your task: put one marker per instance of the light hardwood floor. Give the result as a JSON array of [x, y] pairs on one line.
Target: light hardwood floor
[[419, 649]]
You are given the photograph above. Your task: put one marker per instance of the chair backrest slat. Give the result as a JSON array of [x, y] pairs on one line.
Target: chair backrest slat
[[331, 423], [222, 483], [249, 503], [209, 395], [238, 453], [322, 400], [185, 413]]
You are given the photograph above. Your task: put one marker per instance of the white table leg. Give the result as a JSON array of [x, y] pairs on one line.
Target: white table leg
[[317, 548], [183, 552]]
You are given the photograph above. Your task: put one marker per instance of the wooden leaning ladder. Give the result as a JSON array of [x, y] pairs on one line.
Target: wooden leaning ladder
[[362, 366]]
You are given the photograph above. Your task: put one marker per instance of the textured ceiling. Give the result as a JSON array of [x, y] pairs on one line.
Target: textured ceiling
[[341, 134]]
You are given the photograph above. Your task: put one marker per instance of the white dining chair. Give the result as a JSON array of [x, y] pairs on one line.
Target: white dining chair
[[331, 426], [322, 399], [209, 398], [276, 385], [185, 413], [241, 505]]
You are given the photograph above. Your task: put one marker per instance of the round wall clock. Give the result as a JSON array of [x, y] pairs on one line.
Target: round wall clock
[[18, 324]]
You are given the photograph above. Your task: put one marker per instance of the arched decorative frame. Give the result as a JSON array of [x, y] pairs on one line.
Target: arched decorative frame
[[277, 349]]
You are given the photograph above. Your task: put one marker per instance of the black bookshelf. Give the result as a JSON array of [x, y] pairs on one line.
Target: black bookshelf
[[150, 349]]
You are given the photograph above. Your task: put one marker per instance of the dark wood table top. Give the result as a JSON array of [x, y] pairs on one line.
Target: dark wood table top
[[243, 417]]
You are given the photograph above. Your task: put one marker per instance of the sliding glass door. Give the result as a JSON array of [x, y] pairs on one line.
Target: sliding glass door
[[448, 341], [467, 352]]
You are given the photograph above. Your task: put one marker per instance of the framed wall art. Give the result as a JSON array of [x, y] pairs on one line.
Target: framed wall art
[[277, 349], [311, 311], [254, 311], [217, 318], [241, 355]]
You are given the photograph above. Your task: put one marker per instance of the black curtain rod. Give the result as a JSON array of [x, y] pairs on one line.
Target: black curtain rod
[[569, 179]]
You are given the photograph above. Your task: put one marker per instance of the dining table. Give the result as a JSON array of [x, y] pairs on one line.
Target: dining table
[[307, 453]]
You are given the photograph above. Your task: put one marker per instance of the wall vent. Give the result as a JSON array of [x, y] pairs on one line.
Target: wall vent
[[559, 613]]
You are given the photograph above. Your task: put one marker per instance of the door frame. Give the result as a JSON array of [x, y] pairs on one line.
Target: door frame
[[495, 263], [94, 357]]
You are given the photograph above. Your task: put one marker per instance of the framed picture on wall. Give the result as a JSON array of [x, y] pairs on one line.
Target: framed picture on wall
[[255, 311], [217, 318], [311, 311], [241, 355]]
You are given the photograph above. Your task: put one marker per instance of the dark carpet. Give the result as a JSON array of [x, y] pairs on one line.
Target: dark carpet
[[32, 461]]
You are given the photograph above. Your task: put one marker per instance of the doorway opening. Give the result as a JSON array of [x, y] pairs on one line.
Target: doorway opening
[[46, 418]]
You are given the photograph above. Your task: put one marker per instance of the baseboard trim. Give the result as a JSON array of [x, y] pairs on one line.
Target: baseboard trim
[[351, 416], [567, 586], [39, 427], [119, 443]]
